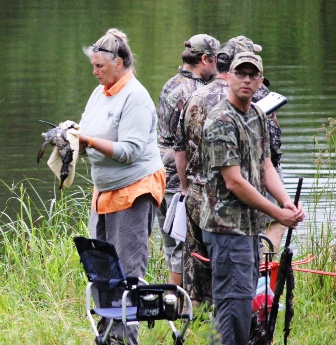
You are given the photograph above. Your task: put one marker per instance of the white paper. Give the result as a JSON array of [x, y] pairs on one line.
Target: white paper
[[271, 102], [170, 214], [179, 229]]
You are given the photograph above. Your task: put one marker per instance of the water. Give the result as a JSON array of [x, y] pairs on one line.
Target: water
[[44, 74]]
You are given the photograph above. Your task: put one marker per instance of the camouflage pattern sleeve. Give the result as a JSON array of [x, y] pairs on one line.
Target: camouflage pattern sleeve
[[172, 99], [168, 111], [274, 128], [189, 132], [180, 144], [261, 93], [221, 144], [171, 102]]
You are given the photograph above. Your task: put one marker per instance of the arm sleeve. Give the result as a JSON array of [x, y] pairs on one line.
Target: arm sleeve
[[134, 131], [222, 144]]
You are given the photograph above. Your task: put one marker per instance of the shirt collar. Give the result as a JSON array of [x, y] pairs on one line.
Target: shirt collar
[[118, 85], [190, 75]]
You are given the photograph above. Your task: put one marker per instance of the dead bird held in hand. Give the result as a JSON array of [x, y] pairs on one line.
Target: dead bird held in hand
[[58, 136]]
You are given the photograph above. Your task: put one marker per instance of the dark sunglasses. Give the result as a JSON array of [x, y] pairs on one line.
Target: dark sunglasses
[[99, 49]]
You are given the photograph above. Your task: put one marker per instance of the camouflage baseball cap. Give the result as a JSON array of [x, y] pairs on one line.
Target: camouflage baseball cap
[[236, 45], [203, 43], [248, 57]]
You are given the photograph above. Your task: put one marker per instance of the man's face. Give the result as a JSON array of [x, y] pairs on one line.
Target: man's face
[[210, 67], [244, 81]]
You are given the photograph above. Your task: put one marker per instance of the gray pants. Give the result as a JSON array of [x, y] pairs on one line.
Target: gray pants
[[235, 271], [128, 231]]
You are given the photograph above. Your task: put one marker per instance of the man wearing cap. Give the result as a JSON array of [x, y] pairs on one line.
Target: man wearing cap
[[274, 230], [197, 273], [238, 169], [199, 66]]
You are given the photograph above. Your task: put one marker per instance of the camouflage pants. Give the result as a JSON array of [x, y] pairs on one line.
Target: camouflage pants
[[196, 274]]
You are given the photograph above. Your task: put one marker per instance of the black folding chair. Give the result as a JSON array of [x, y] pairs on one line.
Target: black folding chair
[[150, 302]]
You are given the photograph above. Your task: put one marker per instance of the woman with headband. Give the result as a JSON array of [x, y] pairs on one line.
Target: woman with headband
[[118, 133]]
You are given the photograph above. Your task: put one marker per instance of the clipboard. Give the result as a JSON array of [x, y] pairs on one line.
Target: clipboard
[[170, 215], [175, 224], [272, 102], [179, 228]]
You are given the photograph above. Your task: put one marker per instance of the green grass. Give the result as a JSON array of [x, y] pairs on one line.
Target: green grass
[[42, 283]]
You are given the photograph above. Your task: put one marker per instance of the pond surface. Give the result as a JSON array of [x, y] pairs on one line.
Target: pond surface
[[45, 75]]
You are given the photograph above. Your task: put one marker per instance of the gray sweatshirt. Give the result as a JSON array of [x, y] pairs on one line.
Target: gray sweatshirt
[[128, 119]]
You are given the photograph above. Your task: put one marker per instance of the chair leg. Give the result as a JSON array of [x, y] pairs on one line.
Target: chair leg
[[106, 330], [178, 339], [99, 340]]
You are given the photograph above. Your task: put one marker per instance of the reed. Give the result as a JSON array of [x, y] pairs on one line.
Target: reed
[[314, 302], [40, 275]]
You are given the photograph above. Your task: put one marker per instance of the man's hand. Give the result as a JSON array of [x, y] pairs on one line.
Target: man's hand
[[298, 211], [287, 216]]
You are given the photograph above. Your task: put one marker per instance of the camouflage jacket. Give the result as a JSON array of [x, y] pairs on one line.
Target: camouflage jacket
[[173, 96], [273, 127], [233, 138], [189, 130]]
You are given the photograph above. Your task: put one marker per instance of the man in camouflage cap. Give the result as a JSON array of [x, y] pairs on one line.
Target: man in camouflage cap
[[197, 273], [199, 66], [232, 46], [202, 44], [238, 169], [274, 230]]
